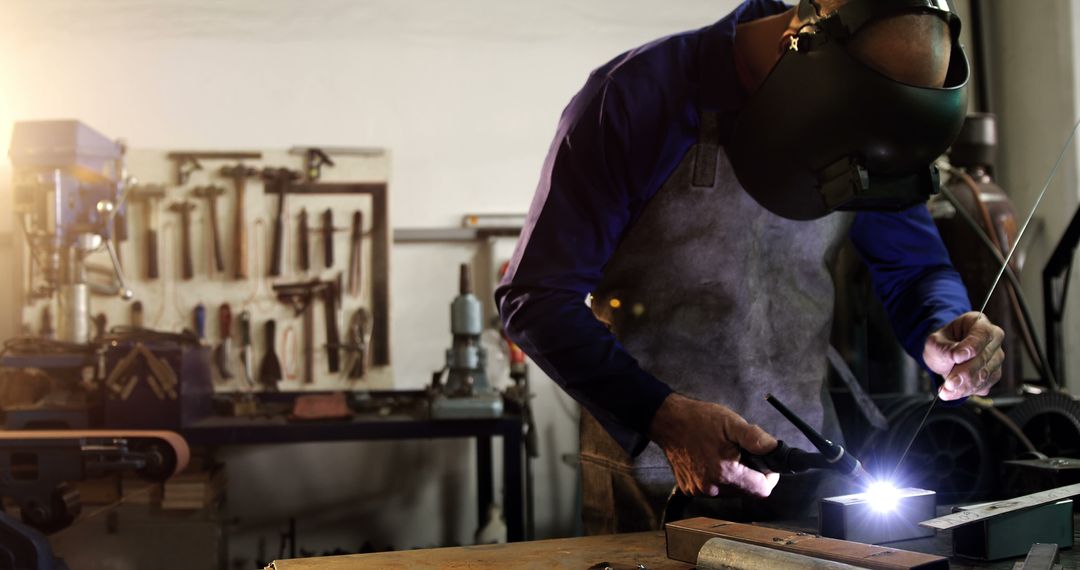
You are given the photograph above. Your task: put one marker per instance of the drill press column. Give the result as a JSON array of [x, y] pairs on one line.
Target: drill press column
[[467, 392], [465, 358]]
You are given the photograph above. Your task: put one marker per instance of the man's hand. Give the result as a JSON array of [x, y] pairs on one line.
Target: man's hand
[[967, 354], [702, 441]]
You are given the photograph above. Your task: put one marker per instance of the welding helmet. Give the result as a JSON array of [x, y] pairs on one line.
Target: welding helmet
[[827, 132]]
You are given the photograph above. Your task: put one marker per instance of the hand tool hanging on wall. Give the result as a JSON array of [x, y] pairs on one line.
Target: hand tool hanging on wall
[[239, 173], [245, 347], [328, 237], [101, 322], [359, 331], [315, 158], [356, 253], [332, 316], [187, 162], [301, 296], [137, 315], [120, 232], [148, 196], [270, 369], [184, 208], [304, 250], [47, 328], [211, 193], [278, 180], [379, 251], [223, 350], [200, 322]]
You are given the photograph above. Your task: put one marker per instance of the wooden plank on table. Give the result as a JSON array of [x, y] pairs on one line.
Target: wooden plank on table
[[619, 550]]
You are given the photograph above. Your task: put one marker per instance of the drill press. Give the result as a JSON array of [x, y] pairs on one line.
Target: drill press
[[70, 184], [466, 393]]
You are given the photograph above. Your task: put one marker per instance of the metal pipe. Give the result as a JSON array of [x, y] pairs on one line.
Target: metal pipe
[[721, 553]]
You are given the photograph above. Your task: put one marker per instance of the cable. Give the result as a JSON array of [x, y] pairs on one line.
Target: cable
[[1046, 373], [988, 405], [1031, 214], [1014, 291]]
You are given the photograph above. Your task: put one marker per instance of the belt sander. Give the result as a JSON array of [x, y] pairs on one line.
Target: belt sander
[[37, 468]]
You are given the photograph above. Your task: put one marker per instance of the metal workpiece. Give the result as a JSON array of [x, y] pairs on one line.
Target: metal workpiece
[[1011, 534], [1040, 557], [686, 538], [877, 516], [722, 553]]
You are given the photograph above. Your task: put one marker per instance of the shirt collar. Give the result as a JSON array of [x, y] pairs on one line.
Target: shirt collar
[[720, 88]]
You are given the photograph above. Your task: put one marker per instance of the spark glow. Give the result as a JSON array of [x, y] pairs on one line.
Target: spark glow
[[882, 496]]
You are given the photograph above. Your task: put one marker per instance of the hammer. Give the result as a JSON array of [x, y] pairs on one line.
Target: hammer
[[148, 195], [184, 208], [211, 194], [239, 175], [279, 180]]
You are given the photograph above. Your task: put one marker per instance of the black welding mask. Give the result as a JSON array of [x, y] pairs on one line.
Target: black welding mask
[[827, 132]]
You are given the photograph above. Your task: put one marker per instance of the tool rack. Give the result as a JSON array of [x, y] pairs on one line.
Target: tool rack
[[341, 181]]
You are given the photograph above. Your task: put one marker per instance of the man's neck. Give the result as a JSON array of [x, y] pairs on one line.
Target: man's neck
[[757, 47]]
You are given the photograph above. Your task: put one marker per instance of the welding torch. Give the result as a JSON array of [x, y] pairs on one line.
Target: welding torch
[[786, 460]]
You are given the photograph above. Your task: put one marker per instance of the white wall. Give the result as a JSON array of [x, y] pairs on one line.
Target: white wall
[[465, 94], [1034, 46]]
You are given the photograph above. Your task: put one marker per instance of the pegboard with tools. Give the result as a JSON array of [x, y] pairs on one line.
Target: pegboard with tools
[[277, 259]]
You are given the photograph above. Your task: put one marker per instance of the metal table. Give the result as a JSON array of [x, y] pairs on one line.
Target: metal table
[[220, 430]]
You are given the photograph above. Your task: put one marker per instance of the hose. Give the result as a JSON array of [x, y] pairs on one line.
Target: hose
[[1025, 331], [1038, 357]]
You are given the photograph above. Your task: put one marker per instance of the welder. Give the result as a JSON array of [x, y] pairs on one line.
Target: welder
[[675, 263]]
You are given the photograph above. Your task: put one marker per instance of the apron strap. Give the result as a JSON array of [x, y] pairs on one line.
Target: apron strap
[[706, 151]]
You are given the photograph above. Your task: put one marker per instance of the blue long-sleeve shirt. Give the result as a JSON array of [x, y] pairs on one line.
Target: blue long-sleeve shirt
[[617, 142]]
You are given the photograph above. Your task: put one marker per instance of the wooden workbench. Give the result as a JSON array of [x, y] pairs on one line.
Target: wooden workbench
[[620, 551]]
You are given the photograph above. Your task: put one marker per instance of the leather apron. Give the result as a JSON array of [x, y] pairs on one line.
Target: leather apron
[[724, 301]]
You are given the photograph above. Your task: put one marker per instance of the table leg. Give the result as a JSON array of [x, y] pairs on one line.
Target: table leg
[[484, 479], [513, 504]]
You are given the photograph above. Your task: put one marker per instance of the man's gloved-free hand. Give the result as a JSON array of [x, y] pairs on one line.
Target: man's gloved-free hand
[[967, 354], [702, 441]]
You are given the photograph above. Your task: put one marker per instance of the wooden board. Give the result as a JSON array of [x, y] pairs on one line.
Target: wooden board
[[620, 551]]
